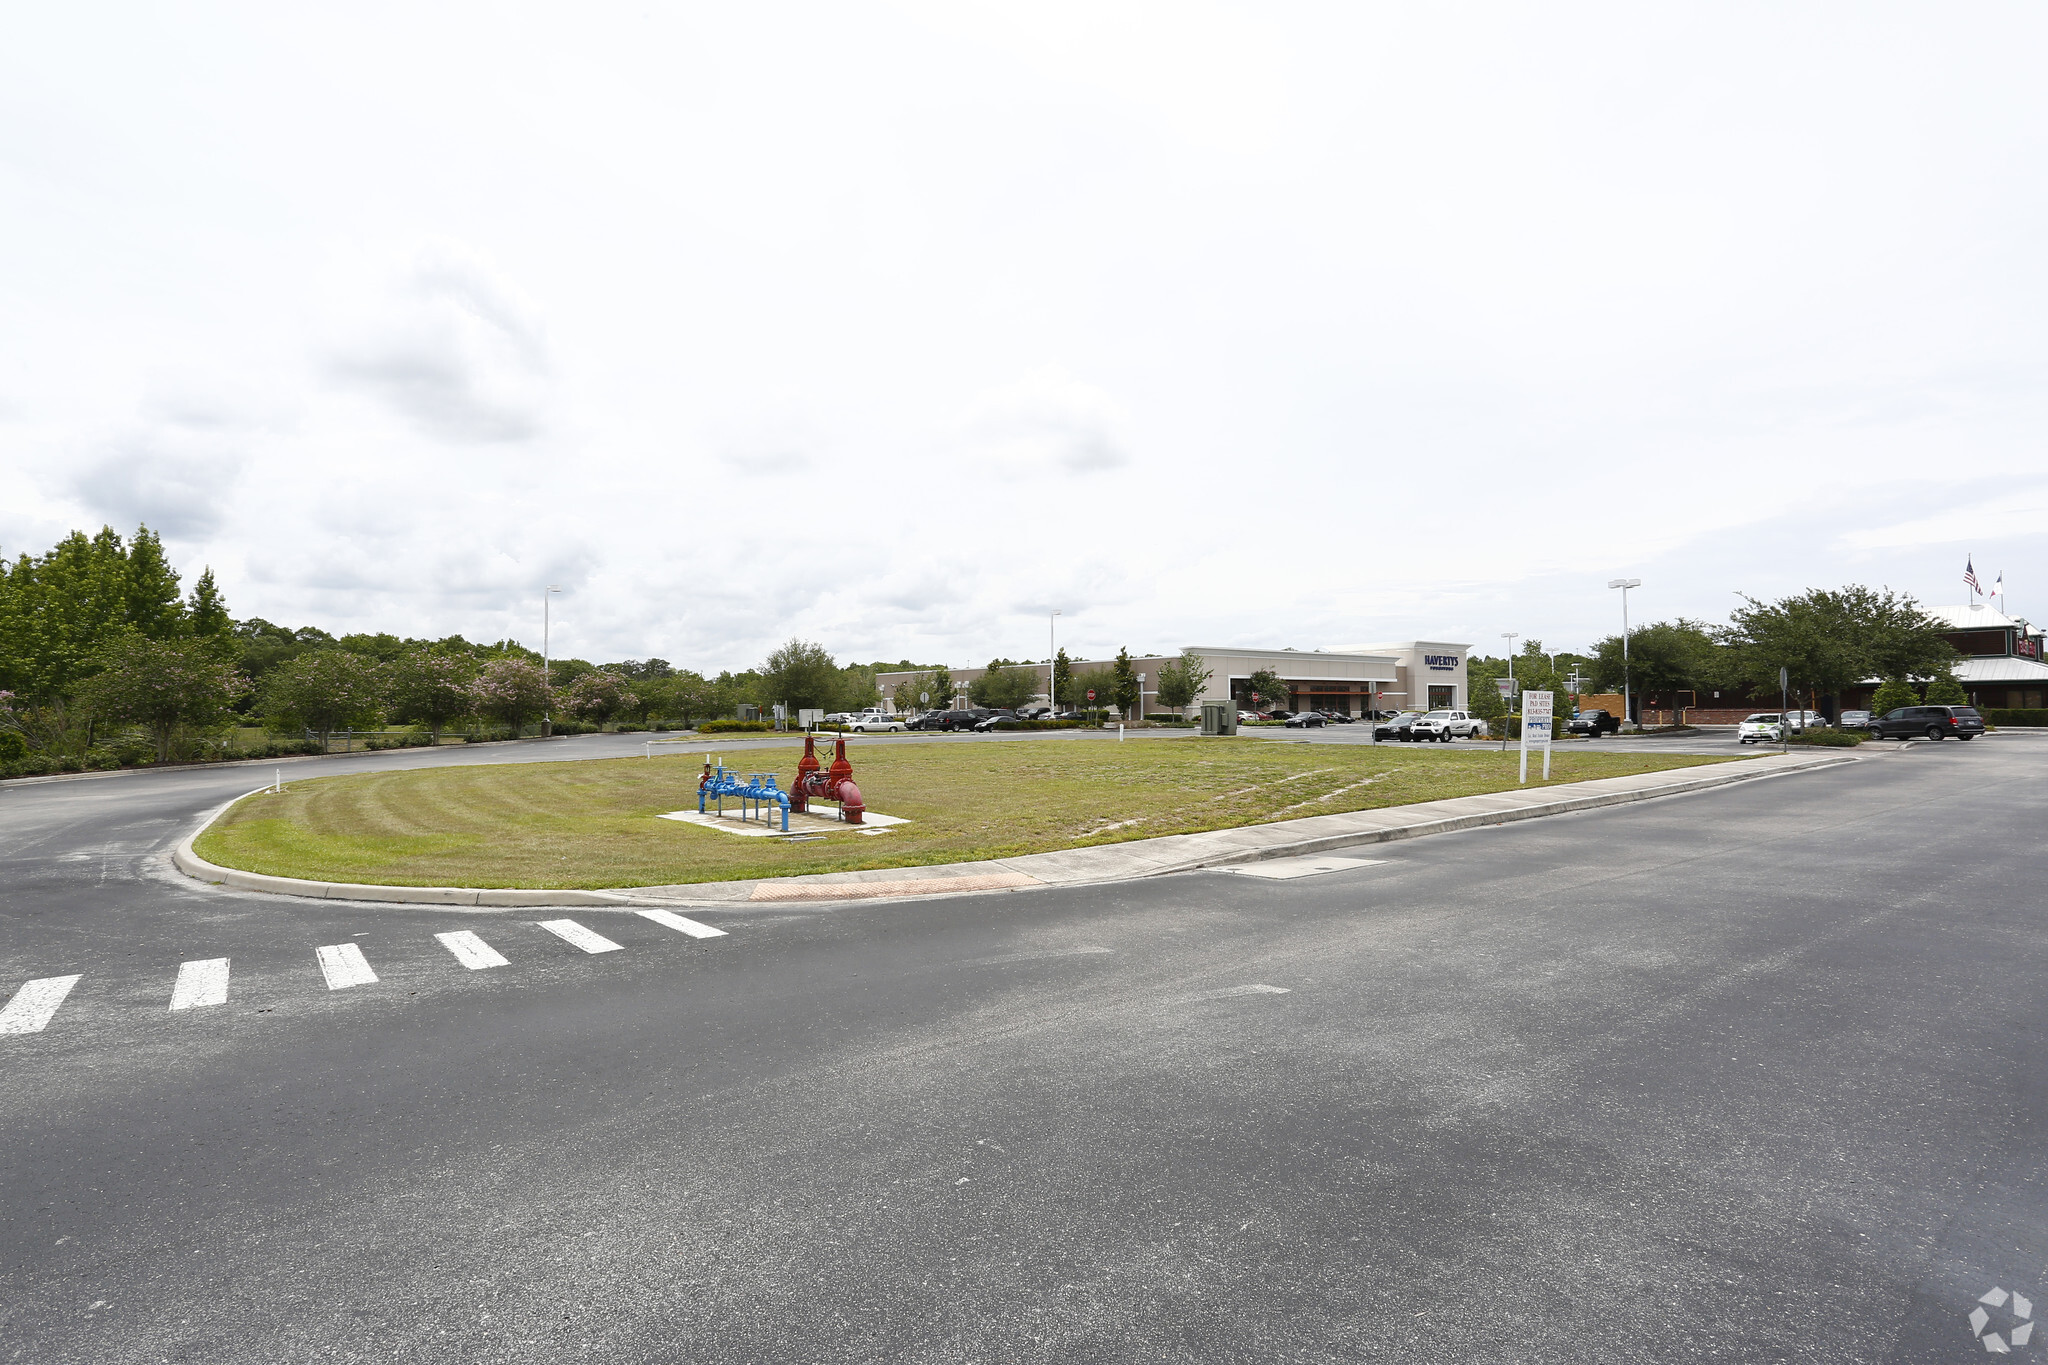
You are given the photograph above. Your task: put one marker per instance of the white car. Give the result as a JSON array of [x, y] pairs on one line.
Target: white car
[[867, 724], [1444, 726], [1765, 727]]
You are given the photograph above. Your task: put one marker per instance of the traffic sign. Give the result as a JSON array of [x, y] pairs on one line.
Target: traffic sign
[[1091, 694]]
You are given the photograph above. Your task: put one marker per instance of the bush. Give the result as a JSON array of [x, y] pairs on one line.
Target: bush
[[1169, 717], [102, 760], [735, 727], [2018, 717], [1828, 739], [659, 729], [13, 748], [628, 728]]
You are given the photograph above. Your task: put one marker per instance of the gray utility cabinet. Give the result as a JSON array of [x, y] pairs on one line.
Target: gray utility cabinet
[[1219, 718]]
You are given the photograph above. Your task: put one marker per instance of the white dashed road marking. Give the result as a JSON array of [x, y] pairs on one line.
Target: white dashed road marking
[[201, 983], [344, 966], [34, 1003], [570, 931], [471, 951], [1259, 988], [681, 925]]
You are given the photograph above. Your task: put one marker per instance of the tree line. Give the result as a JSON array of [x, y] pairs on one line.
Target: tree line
[[104, 658], [1007, 684], [1827, 640]]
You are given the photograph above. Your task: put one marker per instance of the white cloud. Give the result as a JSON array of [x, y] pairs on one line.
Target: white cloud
[[2016, 512], [453, 347], [1046, 421]]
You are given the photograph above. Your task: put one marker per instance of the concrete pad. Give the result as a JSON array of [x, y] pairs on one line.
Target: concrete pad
[[800, 822], [1287, 869]]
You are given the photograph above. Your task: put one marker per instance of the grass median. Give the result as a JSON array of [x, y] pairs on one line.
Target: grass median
[[592, 824]]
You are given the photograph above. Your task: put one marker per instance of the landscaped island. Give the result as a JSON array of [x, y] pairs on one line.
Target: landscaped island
[[593, 824]]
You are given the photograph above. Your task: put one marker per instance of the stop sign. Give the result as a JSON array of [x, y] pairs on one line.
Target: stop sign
[[1091, 694]]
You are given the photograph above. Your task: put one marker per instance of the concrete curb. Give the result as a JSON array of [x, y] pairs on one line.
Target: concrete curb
[[1136, 859], [196, 867]]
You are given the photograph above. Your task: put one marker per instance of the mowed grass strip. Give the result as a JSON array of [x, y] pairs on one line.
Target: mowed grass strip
[[592, 824]]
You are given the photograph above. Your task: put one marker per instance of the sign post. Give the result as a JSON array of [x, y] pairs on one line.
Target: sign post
[[1784, 699], [1536, 729]]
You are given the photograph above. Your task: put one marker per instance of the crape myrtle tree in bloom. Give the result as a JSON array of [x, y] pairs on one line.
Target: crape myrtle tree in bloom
[[596, 697], [324, 691], [163, 686], [511, 692], [430, 689]]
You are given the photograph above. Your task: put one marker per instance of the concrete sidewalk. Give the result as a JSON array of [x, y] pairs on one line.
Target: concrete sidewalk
[[1069, 867]]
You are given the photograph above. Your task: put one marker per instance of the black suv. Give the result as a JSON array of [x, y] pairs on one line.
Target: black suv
[[1935, 722], [1592, 724]]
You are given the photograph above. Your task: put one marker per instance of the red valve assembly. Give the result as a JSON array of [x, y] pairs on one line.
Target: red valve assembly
[[830, 784]]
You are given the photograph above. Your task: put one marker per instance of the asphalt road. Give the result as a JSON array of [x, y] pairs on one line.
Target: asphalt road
[[1752, 1074]]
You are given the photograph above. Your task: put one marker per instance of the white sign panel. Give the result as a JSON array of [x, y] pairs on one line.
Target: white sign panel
[[810, 717], [1536, 723]]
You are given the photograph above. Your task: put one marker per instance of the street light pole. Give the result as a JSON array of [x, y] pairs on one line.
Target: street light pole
[[547, 722], [1627, 705], [1511, 636], [1052, 700]]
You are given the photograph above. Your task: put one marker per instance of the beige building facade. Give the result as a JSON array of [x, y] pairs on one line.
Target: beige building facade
[[1418, 674]]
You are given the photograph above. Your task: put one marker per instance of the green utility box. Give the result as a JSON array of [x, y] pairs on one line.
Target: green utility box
[[1219, 718]]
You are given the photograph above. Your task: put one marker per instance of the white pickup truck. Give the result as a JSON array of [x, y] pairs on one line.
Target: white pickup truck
[[1444, 726]]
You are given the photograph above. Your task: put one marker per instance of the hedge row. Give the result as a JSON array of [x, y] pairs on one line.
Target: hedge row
[[1827, 739], [2032, 717], [735, 727]]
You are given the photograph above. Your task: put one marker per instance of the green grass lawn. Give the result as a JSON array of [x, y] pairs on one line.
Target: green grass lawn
[[591, 824]]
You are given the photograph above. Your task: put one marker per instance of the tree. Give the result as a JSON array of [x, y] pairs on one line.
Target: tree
[[1006, 687], [1946, 690], [1182, 680], [1062, 680], [206, 615], [324, 691], [510, 691], [1830, 640], [1665, 656], [1123, 681], [596, 697], [689, 696], [936, 684], [801, 674], [1892, 694], [1100, 681], [163, 685], [430, 689], [1266, 689], [1487, 703]]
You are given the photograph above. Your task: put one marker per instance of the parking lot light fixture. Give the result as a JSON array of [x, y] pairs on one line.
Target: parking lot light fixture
[[547, 713], [1052, 654], [1511, 636], [1627, 707]]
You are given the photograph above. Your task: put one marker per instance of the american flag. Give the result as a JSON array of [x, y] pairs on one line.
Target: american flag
[[1970, 574]]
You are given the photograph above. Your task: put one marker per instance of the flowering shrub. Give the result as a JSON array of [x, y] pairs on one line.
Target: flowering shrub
[[510, 691]]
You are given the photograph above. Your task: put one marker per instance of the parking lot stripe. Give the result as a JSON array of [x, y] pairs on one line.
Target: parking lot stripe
[[681, 925], [204, 982], [570, 931], [343, 965], [471, 951], [34, 1003]]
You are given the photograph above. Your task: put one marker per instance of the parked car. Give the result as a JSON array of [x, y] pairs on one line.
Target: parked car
[[993, 719], [1305, 720], [1340, 718], [1592, 724], [1248, 717], [1279, 715], [1037, 710], [1443, 726], [1805, 720], [867, 723], [1853, 720], [1765, 727], [1935, 722], [930, 720], [1396, 725]]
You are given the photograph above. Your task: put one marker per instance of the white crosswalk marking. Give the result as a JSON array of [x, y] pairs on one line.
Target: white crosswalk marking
[[201, 983], [572, 932], [343, 965], [34, 1003], [471, 951], [681, 925]]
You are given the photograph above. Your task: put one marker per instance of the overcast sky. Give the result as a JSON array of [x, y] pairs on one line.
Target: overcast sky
[[898, 326]]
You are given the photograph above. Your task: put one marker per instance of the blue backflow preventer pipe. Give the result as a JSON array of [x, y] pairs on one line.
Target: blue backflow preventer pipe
[[757, 791]]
